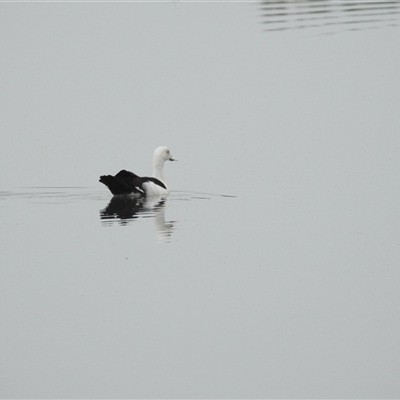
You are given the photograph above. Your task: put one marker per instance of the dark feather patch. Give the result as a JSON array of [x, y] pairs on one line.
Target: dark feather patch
[[126, 182]]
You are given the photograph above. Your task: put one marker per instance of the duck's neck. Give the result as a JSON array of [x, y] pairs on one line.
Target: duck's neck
[[158, 170]]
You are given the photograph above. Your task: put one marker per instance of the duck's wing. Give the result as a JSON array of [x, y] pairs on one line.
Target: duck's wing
[[153, 186], [125, 182], [153, 180]]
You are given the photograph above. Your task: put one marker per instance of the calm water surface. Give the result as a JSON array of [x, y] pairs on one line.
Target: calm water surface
[[272, 268]]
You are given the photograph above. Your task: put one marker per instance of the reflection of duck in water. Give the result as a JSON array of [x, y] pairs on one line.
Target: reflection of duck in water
[[126, 208], [128, 183], [122, 207]]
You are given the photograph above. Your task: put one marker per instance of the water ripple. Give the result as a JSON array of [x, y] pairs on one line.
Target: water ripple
[[331, 16], [51, 195]]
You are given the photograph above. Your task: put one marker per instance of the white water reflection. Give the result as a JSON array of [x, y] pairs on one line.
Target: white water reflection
[[329, 16]]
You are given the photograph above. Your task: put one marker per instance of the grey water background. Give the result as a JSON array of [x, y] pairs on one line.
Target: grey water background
[[272, 269]]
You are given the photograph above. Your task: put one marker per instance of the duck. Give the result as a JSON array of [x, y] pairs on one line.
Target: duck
[[128, 183]]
